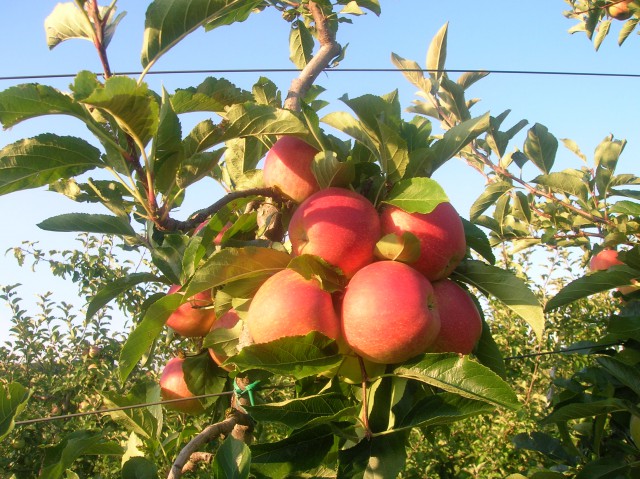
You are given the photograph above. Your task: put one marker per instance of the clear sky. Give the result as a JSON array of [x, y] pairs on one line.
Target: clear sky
[[491, 35]]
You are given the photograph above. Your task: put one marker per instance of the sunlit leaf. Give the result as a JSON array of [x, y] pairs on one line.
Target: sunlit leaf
[[437, 53], [232, 460], [541, 147], [67, 21], [506, 287], [13, 400], [417, 195], [300, 44], [91, 223], [42, 160]]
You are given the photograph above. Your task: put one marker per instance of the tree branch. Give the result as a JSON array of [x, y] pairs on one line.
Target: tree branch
[[169, 224], [329, 49], [207, 435]]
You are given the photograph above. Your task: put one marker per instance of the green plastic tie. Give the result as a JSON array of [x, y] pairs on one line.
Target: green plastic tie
[[248, 391]]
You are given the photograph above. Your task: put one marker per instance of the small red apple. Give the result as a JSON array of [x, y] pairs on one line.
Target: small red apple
[[173, 386], [604, 260], [619, 9], [441, 236], [227, 321], [389, 313], [193, 318], [460, 320], [339, 225], [288, 168], [287, 304]]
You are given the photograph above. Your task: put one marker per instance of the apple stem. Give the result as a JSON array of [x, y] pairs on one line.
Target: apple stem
[[365, 406]]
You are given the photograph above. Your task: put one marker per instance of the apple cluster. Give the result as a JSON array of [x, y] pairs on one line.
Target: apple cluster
[[389, 311]]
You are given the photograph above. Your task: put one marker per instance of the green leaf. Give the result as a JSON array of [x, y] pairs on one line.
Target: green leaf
[[626, 374], [455, 139], [167, 153], [67, 21], [541, 147], [300, 44], [416, 195], [331, 172], [506, 287], [405, 247], [169, 21], [349, 125], [251, 119], [115, 288], [139, 468], [213, 94], [545, 444], [145, 333], [603, 30], [312, 410], [91, 223], [439, 409], [13, 400], [412, 72], [462, 376], [585, 410], [592, 283], [301, 451], [60, 457], [626, 208], [489, 196], [44, 159], [477, 240], [297, 356], [394, 154], [21, 102], [313, 267], [203, 376], [145, 422], [233, 264], [232, 460], [437, 53], [131, 104], [569, 181], [375, 458], [488, 352]]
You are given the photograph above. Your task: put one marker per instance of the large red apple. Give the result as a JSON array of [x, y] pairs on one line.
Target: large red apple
[[287, 304], [460, 320], [389, 313], [441, 236], [604, 260], [339, 225], [173, 386], [193, 318], [288, 168], [227, 321]]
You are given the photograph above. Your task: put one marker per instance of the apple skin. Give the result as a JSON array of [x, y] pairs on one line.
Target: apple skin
[[604, 260], [339, 225], [441, 236], [460, 320], [227, 321], [620, 10], [389, 313], [192, 319], [287, 167], [173, 386], [287, 304]]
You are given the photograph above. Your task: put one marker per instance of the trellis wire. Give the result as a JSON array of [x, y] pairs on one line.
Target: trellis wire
[[337, 70], [229, 393]]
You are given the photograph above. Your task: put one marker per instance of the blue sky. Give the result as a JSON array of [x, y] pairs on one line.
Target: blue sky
[[496, 35]]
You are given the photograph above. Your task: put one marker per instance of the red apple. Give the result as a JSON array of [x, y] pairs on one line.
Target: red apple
[[604, 260], [339, 225], [227, 321], [460, 320], [287, 167], [441, 236], [193, 318], [287, 304], [173, 386], [389, 313], [619, 9]]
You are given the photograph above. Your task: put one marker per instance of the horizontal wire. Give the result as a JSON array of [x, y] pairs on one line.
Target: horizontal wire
[[229, 393], [562, 351], [337, 70]]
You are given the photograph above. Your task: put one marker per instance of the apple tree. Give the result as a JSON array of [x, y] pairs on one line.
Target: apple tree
[[320, 397]]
